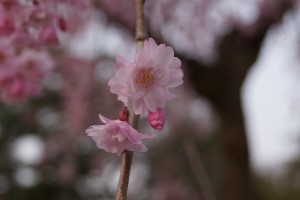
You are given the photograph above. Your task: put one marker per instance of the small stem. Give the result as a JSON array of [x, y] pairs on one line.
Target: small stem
[[140, 30], [126, 164], [124, 176], [141, 35]]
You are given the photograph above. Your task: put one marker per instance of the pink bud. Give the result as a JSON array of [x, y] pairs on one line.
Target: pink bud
[[157, 119], [6, 25], [62, 25], [124, 114], [48, 36]]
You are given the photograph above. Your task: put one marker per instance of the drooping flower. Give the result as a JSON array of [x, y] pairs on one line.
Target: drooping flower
[[157, 119], [115, 136], [145, 83]]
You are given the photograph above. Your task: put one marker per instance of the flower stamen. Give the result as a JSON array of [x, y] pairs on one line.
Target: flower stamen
[[145, 77]]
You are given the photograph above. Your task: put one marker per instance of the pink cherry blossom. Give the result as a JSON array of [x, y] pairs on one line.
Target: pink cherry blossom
[[33, 64], [145, 83], [20, 77], [157, 119], [116, 136]]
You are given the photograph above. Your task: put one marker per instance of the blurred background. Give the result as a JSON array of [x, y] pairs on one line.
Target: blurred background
[[232, 134]]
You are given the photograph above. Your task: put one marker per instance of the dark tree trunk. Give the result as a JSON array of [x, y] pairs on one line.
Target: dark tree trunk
[[236, 174], [221, 84]]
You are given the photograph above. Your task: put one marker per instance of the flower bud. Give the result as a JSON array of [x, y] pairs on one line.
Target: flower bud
[[48, 36], [124, 114], [157, 119], [62, 25]]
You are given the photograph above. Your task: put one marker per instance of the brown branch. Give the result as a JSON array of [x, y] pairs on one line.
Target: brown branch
[[124, 176], [198, 170], [140, 31], [141, 35]]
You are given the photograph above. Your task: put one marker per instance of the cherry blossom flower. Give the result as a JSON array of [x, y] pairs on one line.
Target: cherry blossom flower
[[116, 136], [157, 119], [145, 83], [33, 64]]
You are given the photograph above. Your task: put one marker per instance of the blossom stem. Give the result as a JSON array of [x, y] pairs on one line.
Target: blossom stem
[[141, 35], [124, 176], [140, 30], [126, 164]]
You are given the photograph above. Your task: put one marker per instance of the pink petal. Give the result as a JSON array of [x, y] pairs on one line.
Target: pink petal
[[104, 119], [155, 99], [175, 63], [137, 147], [175, 78], [164, 56], [138, 106]]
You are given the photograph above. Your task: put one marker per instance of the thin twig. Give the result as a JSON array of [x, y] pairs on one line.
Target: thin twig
[[198, 170], [124, 176], [140, 31], [141, 35]]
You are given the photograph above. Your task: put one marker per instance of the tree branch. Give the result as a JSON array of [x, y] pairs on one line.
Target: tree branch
[[198, 169], [141, 35]]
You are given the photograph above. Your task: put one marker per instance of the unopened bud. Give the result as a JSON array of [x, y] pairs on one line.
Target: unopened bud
[[157, 119], [48, 36], [62, 25], [124, 114]]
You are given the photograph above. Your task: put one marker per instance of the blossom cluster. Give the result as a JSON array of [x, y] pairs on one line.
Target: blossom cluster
[[144, 85], [19, 75], [26, 28]]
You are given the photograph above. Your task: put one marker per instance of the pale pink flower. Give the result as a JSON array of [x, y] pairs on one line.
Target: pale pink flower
[[145, 83], [157, 119], [116, 136]]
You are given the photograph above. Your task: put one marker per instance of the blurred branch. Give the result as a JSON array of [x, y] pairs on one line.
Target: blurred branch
[[198, 169], [140, 31], [133, 119]]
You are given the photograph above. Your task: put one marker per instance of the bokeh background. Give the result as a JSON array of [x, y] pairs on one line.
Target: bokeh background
[[232, 134]]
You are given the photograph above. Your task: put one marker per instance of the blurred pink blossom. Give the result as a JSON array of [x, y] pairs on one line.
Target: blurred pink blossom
[[6, 25], [48, 36], [20, 77], [116, 136], [34, 64], [146, 81], [157, 119]]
